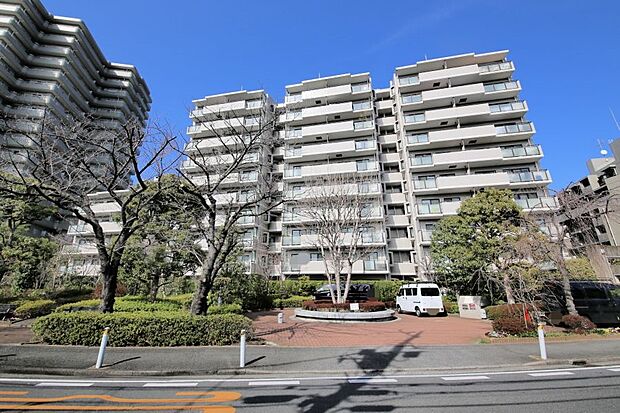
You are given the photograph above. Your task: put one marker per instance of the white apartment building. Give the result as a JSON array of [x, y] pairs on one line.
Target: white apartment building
[[443, 129], [51, 65]]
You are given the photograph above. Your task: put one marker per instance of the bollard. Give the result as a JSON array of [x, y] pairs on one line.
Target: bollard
[[541, 342], [242, 350], [104, 343], [280, 318]]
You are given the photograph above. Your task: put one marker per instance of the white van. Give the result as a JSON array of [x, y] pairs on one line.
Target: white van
[[420, 298]]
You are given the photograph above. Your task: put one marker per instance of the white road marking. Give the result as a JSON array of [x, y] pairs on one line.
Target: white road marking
[[613, 369], [454, 378], [65, 384], [371, 380], [274, 383], [171, 384], [551, 373]]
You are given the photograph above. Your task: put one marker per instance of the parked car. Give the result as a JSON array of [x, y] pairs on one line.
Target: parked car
[[597, 301], [420, 298], [357, 292]]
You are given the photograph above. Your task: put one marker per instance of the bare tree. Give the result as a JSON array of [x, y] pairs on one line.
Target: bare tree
[[65, 161], [338, 210], [227, 174]]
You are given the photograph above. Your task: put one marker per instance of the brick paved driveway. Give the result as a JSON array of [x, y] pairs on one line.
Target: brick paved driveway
[[406, 330]]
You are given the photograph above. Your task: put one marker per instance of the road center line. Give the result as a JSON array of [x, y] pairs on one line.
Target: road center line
[[454, 378], [274, 383], [171, 384], [551, 373], [371, 380], [64, 384]]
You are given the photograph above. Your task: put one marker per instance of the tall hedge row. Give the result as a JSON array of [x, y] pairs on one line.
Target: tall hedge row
[[157, 329]]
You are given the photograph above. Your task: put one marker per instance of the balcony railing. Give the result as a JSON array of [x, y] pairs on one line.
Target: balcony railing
[[521, 151], [253, 104], [497, 87], [421, 160], [291, 152], [293, 98], [360, 87], [514, 128], [293, 133], [495, 67], [362, 124], [532, 176], [371, 237], [428, 209], [534, 203], [412, 98], [361, 145], [374, 265], [408, 80], [288, 173], [417, 138], [506, 107], [294, 115], [361, 105], [415, 118], [425, 183]]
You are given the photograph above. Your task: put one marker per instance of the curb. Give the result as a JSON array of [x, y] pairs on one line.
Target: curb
[[104, 372]]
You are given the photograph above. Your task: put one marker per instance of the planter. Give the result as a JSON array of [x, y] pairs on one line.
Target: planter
[[344, 316]]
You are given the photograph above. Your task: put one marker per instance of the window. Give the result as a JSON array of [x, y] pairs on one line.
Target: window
[[245, 176], [293, 133], [422, 159], [296, 237], [364, 144], [298, 190], [361, 105], [452, 199], [252, 104], [398, 233], [292, 98], [413, 98], [415, 118], [360, 87], [400, 257], [424, 182], [429, 292], [408, 80], [365, 165], [316, 256], [393, 188], [251, 120], [395, 210], [362, 124]]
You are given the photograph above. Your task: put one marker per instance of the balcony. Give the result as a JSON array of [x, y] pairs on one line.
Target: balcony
[[362, 188], [394, 198], [397, 221], [343, 147], [483, 112], [312, 240], [400, 244], [461, 183], [479, 134], [386, 122], [403, 268], [476, 157], [301, 172], [334, 130], [392, 177], [318, 267], [211, 111]]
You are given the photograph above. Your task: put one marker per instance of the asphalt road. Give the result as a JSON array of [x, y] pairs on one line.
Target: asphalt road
[[578, 389]]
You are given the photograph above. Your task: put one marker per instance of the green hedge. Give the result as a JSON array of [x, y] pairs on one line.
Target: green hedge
[[225, 309], [385, 290], [125, 304], [291, 302], [36, 308], [451, 307], [158, 329], [184, 300]]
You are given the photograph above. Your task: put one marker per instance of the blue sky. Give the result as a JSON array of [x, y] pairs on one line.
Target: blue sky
[[567, 53]]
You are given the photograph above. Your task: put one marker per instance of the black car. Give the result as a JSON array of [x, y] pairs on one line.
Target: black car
[[357, 292], [598, 301]]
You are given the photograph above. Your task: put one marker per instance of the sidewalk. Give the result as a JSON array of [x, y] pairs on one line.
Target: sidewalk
[[77, 360]]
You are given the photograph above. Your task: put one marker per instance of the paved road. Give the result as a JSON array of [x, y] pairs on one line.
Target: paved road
[[541, 390]]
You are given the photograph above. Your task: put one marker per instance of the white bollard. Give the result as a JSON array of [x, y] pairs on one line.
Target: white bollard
[[541, 342], [280, 318], [242, 350], [104, 343]]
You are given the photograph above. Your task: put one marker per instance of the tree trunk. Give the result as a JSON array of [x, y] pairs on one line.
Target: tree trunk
[[508, 289], [110, 281], [347, 284], [568, 295], [154, 288], [200, 304]]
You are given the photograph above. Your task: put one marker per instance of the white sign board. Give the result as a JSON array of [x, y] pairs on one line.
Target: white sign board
[[354, 306], [469, 307]]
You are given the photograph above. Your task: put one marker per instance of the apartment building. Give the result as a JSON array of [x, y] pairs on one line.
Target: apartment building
[[442, 130], [593, 218], [51, 66]]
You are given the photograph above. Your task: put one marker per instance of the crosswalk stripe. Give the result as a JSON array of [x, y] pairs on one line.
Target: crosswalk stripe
[[552, 373], [455, 378], [274, 383], [614, 370]]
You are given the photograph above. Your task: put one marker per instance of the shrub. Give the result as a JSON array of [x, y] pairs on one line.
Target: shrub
[[291, 302], [36, 308], [250, 291], [384, 290], [578, 323], [495, 312], [124, 304], [513, 325], [160, 329], [225, 309], [184, 300], [367, 306], [451, 307]]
